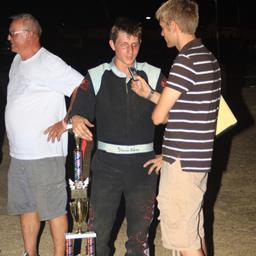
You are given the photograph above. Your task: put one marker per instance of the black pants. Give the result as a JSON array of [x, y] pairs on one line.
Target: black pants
[[112, 176]]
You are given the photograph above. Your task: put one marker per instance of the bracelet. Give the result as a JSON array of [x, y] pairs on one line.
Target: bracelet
[[150, 95], [67, 126]]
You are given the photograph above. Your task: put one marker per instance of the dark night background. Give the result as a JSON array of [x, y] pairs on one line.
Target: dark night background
[[72, 26], [78, 30]]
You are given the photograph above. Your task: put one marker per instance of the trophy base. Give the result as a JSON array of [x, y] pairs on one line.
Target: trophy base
[[88, 234], [89, 241]]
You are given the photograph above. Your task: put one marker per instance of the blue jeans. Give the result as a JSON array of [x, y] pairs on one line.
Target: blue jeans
[[112, 176]]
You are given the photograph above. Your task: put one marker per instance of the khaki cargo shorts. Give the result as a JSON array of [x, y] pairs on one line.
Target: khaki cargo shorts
[[180, 200]]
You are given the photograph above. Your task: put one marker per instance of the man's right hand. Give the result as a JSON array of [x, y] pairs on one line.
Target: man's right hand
[[140, 87], [80, 127]]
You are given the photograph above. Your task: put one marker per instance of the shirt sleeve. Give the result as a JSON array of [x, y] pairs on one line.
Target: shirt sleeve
[[181, 76], [56, 74], [84, 103]]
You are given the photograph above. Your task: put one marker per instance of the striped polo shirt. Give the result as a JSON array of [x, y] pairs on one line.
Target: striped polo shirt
[[190, 131]]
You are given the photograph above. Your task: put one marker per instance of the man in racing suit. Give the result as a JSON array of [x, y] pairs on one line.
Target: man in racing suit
[[125, 135]]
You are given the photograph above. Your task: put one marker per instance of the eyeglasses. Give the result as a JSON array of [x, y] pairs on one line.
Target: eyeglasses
[[127, 46], [12, 34]]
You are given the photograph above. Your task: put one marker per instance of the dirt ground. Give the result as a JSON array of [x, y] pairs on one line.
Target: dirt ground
[[230, 205]]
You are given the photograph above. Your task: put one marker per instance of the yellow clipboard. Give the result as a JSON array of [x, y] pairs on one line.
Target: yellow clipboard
[[225, 118]]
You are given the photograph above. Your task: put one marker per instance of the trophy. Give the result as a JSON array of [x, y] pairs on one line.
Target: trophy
[[79, 207], [79, 210]]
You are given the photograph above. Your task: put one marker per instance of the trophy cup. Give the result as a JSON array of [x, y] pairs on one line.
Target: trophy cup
[[79, 210], [79, 207]]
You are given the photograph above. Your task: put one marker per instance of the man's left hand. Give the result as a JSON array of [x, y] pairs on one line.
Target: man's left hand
[[55, 131], [154, 164]]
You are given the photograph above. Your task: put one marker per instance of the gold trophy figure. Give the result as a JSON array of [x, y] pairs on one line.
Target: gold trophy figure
[[79, 209]]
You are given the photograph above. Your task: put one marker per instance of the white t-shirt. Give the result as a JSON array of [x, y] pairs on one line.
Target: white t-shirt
[[35, 101]]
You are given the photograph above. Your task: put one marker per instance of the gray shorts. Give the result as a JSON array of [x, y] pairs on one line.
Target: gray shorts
[[37, 186]]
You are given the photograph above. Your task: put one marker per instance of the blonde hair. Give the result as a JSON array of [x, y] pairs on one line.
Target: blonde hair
[[183, 12], [30, 22]]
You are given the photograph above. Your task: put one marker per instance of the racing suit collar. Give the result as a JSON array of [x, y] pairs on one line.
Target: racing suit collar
[[117, 71]]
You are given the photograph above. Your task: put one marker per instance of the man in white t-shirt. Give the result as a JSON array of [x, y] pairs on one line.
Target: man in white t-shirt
[[38, 82]]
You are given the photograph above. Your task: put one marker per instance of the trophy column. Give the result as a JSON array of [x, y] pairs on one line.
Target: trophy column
[[79, 208]]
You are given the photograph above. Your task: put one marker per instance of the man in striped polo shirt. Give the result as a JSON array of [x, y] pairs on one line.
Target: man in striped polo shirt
[[189, 106]]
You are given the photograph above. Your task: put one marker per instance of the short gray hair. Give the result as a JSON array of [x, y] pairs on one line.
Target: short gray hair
[[30, 22]]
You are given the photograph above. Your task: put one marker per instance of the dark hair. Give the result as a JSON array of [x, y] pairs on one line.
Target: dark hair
[[127, 25]]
